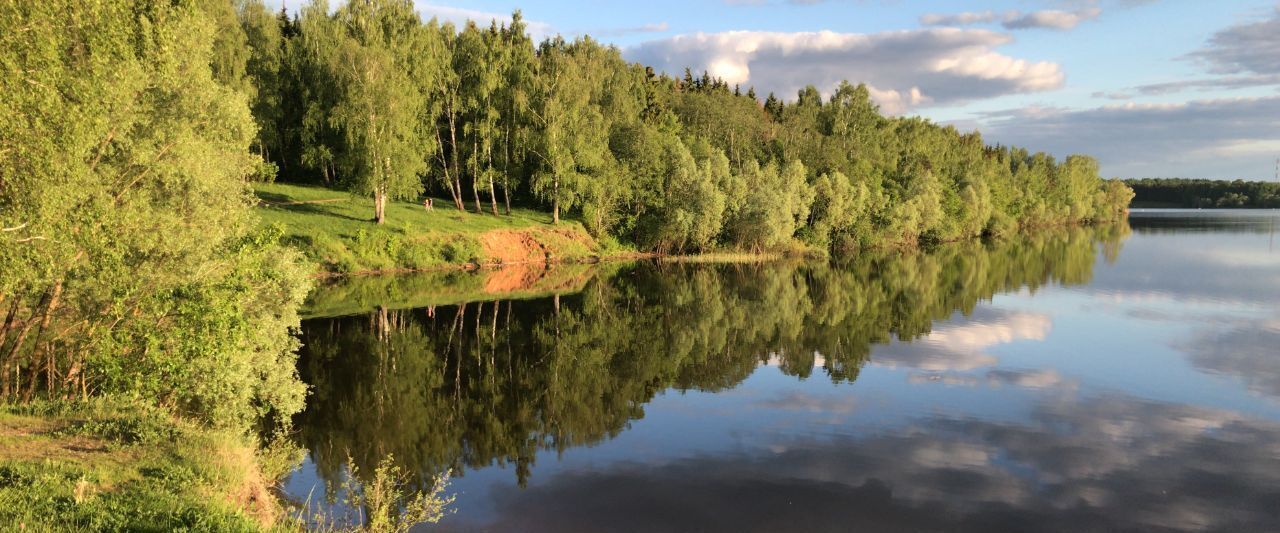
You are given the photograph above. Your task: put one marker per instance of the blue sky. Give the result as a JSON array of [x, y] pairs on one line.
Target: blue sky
[[1149, 87]]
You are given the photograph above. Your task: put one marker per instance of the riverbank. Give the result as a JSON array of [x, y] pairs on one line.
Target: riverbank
[[119, 466], [334, 230]]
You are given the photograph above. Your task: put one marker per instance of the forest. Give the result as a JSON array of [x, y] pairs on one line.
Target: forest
[[371, 99], [1204, 193], [134, 265]]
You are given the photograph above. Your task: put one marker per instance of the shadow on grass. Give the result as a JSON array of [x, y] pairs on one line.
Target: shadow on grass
[[317, 209], [271, 197]]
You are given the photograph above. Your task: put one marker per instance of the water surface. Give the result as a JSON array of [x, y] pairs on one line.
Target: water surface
[[1116, 378]]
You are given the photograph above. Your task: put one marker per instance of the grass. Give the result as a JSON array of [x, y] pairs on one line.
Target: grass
[[114, 466], [336, 231]]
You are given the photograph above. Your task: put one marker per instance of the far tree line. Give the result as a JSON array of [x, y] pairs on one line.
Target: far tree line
[[371, 98], [1204, 193]]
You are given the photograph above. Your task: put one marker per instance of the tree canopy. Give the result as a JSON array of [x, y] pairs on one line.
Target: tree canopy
[[130, 260], [665, 163]]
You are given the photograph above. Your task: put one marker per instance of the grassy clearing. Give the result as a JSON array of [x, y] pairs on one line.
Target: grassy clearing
[[108, 466], [336, 231]]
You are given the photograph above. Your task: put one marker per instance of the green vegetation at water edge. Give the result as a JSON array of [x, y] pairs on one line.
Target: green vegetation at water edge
[[332, 228], [1203, 193]]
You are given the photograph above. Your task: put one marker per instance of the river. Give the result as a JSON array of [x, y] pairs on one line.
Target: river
[[1111, 378]]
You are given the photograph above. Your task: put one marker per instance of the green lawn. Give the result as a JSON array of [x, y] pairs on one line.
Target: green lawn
[[336, 230]]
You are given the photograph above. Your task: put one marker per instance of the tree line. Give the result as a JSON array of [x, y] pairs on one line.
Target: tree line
[[370, 98], [1204, 193]]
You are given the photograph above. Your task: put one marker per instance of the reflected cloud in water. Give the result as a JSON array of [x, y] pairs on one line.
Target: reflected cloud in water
[[1109, 463], [1249, 351], [1028, 379], [964, 343]]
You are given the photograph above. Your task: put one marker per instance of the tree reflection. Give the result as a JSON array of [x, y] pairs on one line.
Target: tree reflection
[[496, 382]]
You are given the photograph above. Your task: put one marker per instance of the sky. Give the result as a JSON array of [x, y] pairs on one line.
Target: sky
[[1151, 88]]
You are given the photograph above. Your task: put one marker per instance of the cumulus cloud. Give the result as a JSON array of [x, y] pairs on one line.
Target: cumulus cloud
[[1228, 138], [1015, 20], [904, 69]]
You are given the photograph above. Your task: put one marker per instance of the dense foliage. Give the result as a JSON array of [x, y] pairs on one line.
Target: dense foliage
[[1184, 192], [370, 98], [130, 259]]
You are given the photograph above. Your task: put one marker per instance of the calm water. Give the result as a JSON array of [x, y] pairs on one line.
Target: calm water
[[1122, 378]]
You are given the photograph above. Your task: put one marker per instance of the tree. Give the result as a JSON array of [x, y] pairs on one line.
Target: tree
[[311, 58], [129, 264], [572, 142], [378, 105], [515, 99], [693, 210], [265, 71], [478, 62], [446, 104]]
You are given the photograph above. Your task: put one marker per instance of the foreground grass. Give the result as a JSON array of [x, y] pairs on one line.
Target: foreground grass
[[108, 466], [336, 231], [112, 465]]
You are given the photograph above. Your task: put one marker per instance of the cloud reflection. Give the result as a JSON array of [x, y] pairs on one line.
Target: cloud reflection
[[1106, 464], [1249, 352], [963, 344]]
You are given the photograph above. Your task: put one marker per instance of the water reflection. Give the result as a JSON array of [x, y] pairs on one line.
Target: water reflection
[[465, 386], [1044, 383], [1114, 463]]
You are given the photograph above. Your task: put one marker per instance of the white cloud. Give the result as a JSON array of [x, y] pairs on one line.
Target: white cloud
[[905, 69], [963, 19], [1014, 20], [1052, 19]]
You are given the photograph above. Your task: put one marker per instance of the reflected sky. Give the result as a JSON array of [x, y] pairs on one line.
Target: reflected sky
[[1143, 394]]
